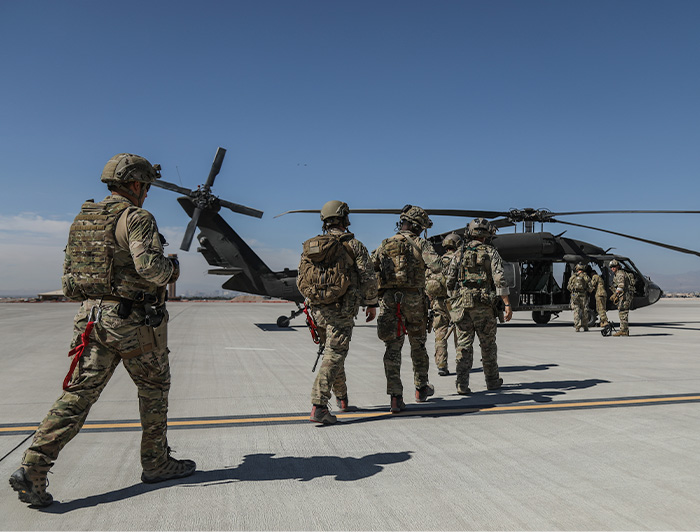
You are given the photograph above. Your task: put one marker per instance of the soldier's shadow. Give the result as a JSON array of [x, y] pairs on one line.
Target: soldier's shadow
[[253, 468]]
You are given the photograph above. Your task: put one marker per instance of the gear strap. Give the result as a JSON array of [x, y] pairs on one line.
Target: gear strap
[[78, 350]]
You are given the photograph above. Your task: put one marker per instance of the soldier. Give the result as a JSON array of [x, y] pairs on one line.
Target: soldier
[[622, 294], [475, 282], [579, 285], [601, 298], [401, 261], [114, 264], [437, 292], [336, 276]]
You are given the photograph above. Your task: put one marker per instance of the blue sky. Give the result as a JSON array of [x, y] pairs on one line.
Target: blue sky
[[471, 104]]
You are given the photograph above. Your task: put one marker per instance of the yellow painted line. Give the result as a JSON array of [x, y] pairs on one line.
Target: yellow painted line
[[369, 415]]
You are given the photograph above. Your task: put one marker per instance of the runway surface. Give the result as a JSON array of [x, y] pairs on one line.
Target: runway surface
[[588, 433]]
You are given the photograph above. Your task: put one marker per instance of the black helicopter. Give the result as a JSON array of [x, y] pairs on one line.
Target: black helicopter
[[530, 257]]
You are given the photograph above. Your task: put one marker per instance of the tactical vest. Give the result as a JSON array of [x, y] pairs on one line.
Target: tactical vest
[[436, 284], [327, 268], [475, 268], [401, 264], [579, 284], [93, 268]]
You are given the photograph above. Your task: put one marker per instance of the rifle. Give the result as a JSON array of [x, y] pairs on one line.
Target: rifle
[[429, 324], [313, 329]]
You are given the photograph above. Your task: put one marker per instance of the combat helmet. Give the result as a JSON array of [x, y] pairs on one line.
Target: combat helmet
[[580, 267], [127, 167], [335, 209], [480, 228], [416, 216], [614, 264], [451, 241]]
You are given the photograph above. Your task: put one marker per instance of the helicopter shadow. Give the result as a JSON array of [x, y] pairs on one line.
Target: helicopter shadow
[[254, 468]]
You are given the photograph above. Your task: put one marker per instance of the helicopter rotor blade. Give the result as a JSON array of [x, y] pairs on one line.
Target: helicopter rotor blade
[[171, 186], [434, 212], [652, 242], [623, 212], [189, 232], [215, 167], [241, 209]]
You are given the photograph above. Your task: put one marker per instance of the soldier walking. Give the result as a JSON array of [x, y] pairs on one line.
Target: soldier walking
[[579, 285], [401, 262], [336, 276], [437, 292], [114, 265], [623, 292], [601, 298], [475, 281]]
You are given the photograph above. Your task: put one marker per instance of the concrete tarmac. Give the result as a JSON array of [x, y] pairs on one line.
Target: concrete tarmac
[[588, 432]]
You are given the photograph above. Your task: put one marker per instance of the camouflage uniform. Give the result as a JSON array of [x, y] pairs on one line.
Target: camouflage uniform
[[475, 280], [413, 311], [114, 338], [441, 315], [622, 286], [579, 285], [335, 322], [601, 298]]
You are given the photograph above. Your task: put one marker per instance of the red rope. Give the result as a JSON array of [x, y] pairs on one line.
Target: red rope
[[401, 326], [78, 352], [311, 324]]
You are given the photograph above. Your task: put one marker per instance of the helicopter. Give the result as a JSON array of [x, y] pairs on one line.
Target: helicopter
[[529, 257]]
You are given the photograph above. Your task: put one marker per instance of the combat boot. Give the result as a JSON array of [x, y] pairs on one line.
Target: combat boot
[[321, 414], [30, 483], [463, 389], [342, 403], [423, 393], [622, 333], [170, 469], [443, 372], [397, 404], [494, 385]]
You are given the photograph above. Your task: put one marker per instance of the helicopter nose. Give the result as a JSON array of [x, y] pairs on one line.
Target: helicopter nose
[[655, 293]]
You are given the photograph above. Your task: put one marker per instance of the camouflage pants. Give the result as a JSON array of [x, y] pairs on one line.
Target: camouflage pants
[[414, 315], [579, 304], [441, 326], [150, 372], [623, 308], [335, 324], [479, 321], [600, 307]]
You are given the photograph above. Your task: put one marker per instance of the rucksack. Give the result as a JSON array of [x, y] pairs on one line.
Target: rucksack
[[325, 270], [400, 264]]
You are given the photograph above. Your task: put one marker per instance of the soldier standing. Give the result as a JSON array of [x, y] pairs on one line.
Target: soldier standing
[[437, 292], [401, 261], [476, 282], [115, 265], [579, 285], [336, 276], [623, 292], [601, 298]]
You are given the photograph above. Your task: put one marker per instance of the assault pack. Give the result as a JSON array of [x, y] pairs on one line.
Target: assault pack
[[400, 264], [326, 268]]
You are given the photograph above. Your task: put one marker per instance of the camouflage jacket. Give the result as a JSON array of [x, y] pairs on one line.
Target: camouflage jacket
[[598, 285], [435, 284], [622, 284], [491, 267], [125, 237], [366, 283]]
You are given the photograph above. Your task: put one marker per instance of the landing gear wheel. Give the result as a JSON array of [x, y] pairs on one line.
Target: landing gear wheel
[[283, 322], [541, 316]]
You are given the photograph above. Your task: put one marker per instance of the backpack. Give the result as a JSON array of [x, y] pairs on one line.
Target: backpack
[[326, 267], [400, 264]]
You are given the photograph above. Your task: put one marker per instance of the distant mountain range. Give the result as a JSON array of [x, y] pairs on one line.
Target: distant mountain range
[[677, 282]]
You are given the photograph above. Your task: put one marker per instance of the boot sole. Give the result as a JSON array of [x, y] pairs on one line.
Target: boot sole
[[155, 480], [26, 496]]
